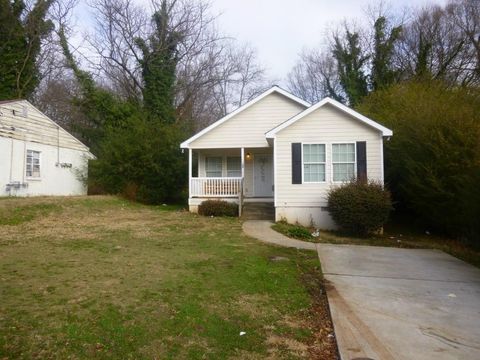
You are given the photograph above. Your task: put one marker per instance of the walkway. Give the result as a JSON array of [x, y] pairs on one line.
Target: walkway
[[261, 230], [390, 303]]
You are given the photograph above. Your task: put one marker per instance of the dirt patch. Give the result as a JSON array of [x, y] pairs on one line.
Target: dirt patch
[[323, 345]]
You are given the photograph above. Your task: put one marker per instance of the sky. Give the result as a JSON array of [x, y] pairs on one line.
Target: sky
[[280, 29]]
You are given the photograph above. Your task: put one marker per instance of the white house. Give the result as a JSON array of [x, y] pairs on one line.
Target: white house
[[37, 156], [278, 148]]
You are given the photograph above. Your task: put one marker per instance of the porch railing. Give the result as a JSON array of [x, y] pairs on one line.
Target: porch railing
[[216, 186]]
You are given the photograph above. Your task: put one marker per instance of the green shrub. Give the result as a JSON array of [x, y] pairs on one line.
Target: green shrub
[[299, 232], [141, 161], [432, 161], [293, 231], [359, 207], [218, 208]]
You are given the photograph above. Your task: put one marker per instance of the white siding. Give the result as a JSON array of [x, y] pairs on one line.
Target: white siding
[[37, 132], [36, 127], [326, 125], [54, 180], [248, 128]]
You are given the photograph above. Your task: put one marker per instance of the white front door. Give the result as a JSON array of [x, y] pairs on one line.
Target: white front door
[[263, 175]]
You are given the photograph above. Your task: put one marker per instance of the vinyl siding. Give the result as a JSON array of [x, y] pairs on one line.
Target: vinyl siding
[[247, 129], [326, 125], [35, 127]]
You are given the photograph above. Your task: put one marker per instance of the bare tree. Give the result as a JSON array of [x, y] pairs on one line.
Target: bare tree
[[315, 76], [466, 16]]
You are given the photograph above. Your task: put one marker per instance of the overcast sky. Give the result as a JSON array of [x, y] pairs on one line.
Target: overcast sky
[[280, 29]]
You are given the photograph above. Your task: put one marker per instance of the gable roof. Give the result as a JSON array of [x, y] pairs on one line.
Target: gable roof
[[273, 89], [53, 123], [385, 131]]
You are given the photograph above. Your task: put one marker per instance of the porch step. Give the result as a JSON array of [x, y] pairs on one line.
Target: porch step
[[258, 211]]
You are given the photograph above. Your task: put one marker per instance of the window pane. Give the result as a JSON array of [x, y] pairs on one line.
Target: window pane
[[234, 166], [343, 152], [32, 166], [213, 166], [314, 172], [343, 172], [313, 153]]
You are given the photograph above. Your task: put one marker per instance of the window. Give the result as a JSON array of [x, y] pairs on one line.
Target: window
[[234, 166], [313, 162], [343, 162], [33, 164], [213, 166]]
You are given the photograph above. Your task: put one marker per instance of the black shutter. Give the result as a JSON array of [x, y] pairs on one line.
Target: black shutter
[[296, 163], [362, 160]]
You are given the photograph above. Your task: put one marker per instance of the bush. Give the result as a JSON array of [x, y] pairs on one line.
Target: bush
[[141, 161], [360, 207], [299, 232], [218, 208], [432, 162]]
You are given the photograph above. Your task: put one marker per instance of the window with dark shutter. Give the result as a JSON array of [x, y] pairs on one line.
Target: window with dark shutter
[[296, 163], [362, 160]]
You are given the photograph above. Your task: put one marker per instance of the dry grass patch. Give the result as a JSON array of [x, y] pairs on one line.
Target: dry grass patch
[[102, 278]]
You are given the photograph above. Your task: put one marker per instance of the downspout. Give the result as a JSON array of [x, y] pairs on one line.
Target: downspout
[[11, 159], [58, 146], [24, 159]]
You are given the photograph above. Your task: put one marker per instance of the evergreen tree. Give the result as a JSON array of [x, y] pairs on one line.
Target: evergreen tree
[[21, 36], [383, 75], [350, 63]]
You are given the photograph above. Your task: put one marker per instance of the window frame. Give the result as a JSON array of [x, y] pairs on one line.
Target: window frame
[[332, 163], [319, 163], [221, 166], [31, 177]]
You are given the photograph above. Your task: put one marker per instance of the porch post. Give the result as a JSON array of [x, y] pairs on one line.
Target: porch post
[[189, 172], [242, 154]]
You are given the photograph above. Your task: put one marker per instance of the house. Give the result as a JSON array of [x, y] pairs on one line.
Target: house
[[278, 148], [37, 156]]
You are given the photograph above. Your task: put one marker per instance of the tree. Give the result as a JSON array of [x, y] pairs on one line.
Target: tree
[[21, 31], [101, 108], [383, 73], [315, 76], [433, 160], [351, 61]]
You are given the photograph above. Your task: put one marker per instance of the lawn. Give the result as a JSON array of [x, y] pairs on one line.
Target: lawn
[[395, 235], [102, 278]]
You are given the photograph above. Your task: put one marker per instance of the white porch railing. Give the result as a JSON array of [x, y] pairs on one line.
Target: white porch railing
[[215, 186]]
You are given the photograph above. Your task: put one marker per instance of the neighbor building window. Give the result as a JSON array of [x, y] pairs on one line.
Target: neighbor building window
[[33, 164], [313, 162], [343, 162], [234, 166], [213, 166]]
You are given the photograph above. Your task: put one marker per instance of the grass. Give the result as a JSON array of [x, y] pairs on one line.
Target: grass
[[103, 278], [393, 236]]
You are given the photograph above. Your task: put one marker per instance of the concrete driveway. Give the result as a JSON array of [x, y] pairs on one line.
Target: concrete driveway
[[389, 303]]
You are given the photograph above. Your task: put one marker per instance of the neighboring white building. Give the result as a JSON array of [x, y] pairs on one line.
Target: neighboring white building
[[278, 148], [37, 156]]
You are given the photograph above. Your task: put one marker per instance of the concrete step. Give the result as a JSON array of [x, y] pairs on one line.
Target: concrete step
[[258, 211]]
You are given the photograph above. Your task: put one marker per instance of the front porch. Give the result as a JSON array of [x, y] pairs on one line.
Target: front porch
[[237, 175]]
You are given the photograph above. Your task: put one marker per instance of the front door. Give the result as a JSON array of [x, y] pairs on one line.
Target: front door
[[263, 175]]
